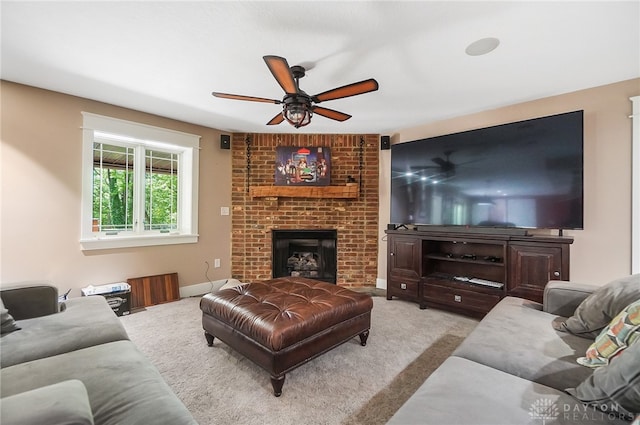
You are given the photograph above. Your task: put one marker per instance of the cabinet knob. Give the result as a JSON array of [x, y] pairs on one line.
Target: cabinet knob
[[392, 254], [403, 286], [556, 274]]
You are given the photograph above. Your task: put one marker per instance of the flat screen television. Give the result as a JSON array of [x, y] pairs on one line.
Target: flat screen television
[[526, 174]]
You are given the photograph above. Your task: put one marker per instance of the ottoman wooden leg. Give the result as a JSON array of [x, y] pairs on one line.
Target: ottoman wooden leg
[[363, 338], [277, 383], [209, 338]]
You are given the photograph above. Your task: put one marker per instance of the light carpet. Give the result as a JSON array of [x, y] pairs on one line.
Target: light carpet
[[348, 385]]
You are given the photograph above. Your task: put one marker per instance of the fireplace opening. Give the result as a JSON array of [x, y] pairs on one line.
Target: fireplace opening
[[305, 253]]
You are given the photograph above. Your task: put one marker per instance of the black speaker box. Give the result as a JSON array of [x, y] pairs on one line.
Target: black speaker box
[[385, 143], [225, 141]]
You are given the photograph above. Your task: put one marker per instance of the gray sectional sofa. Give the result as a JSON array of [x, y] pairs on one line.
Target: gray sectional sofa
[[73, 363], [519, 366]]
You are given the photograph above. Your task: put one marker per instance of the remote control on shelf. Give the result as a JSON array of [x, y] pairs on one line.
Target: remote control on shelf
[[485, 282]]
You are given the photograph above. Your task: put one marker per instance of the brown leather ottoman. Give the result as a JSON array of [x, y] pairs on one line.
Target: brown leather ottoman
[[282, 323]]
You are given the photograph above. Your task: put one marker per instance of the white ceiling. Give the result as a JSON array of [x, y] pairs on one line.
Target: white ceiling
[[166, 58]]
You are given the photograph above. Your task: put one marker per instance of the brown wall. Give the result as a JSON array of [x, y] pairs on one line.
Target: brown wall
[[41, 194], [356, 220], [602, 251]]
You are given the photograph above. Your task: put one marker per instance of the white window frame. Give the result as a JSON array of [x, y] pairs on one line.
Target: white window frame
[[153, 138]]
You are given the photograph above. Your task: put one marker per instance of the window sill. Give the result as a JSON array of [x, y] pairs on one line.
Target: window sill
[[113, 242]]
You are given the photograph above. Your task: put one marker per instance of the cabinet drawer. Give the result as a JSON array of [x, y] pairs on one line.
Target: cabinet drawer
[[460, 298], [405, 288]]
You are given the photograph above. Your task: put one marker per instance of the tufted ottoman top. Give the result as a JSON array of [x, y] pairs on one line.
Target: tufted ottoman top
[[283, 311]]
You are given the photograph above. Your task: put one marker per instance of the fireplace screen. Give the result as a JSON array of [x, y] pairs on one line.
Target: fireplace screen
[[305, 253]]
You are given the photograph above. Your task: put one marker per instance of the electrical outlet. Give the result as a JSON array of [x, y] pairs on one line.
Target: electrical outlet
[[216, 263], [224, 210]]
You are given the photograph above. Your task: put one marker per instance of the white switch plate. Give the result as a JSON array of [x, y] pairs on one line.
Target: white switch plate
[[216, 262], [224, 210]]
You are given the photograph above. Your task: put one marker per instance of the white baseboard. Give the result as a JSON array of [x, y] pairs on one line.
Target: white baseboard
[[381, 283], [201, 288]]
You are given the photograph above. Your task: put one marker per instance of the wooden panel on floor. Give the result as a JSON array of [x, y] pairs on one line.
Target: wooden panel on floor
[[152, 290]]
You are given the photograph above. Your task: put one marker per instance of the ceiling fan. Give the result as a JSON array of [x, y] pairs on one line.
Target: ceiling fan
[[298, 106], [444, 166]]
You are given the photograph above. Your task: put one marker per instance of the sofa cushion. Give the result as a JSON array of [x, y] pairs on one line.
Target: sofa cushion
[[64, 403], [7, 324], [463, 392], [86, 321], [615, 387], [597, 310], [518, 338], [29, 299], [562, 297], [124, 388], [623, 330]]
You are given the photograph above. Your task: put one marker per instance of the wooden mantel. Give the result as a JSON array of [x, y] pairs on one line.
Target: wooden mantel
[[344, 192]]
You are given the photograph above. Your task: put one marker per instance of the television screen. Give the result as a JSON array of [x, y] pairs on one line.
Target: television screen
[[527, 174]]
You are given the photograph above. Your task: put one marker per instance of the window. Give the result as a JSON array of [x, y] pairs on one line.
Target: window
[[139, 184]]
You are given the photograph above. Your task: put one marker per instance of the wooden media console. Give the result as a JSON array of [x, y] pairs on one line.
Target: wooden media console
[[469, 272]]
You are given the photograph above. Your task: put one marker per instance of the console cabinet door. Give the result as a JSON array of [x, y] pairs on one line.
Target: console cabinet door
[[405, 257], [404, 267], [532, 266]]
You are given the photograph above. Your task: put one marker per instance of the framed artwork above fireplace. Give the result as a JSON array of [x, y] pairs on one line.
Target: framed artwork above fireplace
[[302, 166]]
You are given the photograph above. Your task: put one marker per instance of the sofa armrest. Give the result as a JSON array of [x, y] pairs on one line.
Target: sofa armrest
[[562, 298], [26, 300], [63, 403]]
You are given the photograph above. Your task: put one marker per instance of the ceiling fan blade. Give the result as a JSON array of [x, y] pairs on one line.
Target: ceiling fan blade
[[349, 90], [282, 73], [240, 97], [330, 113], [441, 162], [276, 120]]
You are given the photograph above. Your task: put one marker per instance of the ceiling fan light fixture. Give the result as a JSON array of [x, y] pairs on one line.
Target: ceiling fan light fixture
[[297, 111]]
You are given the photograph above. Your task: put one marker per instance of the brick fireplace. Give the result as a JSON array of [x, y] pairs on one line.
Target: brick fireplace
[[355, 220]]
